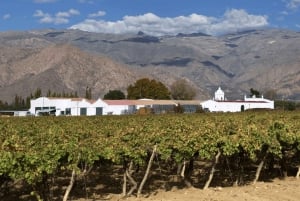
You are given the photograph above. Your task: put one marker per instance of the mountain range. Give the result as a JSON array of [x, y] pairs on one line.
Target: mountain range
[[72, 60]]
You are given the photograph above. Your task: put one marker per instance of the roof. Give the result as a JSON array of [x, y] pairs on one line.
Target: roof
[[139, 102], [187, 102], [242, 101], [120, 102], [83, 99], [71, 99], [155, 102]]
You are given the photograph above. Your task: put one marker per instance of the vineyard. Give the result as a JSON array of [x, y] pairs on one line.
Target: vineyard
[[55, 158]]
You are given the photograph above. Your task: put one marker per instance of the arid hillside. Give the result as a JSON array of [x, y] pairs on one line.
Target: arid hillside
[[60, 68], [71, 60]]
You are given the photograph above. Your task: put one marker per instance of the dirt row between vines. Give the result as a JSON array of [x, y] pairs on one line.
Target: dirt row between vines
[[276, 190], [106, 184]]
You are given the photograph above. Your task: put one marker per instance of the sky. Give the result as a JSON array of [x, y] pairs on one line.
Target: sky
[[153, 17]]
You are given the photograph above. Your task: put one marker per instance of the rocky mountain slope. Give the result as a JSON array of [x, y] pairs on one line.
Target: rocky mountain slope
[[60, 68], [71, 60]]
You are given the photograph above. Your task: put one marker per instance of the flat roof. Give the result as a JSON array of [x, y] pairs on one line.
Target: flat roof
[[120, 102], [188, 102], [242, 101]]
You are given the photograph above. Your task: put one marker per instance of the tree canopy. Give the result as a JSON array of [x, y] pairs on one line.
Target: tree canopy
[[182, 90], [114, 95], [146, 88], [254, 92], [88, 93]]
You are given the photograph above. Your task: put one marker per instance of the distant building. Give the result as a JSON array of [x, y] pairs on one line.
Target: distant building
[[219, 95], [66, 106], [81, 106], [16, 113], [220, 104]]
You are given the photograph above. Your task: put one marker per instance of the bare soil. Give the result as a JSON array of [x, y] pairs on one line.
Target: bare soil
[[106, 184], [283, 190]]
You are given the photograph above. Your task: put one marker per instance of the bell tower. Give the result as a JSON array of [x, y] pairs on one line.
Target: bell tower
[[219, 95]]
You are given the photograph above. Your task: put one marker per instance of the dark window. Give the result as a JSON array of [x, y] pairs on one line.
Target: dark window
[[38, 108], [242, 108], [159, 109], [132, 109], [83, 111], [68, 111], [99, 110], [190, 108]]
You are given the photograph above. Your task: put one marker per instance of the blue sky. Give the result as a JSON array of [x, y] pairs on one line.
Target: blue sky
[[155, 17]]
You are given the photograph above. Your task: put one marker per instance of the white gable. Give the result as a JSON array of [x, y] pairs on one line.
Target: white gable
[[219, 95]]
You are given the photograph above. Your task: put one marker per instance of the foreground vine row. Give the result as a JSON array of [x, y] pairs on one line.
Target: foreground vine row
[[36, 150]]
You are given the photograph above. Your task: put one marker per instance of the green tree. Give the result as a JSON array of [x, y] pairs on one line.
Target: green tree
[[27, 103], [49, 93], [182, 90], [19, 103], [88, 93], [254, 92], [37, 93], [114, 95], [146, 88]]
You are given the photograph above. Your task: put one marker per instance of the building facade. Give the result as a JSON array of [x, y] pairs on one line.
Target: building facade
[[80, 106], [66, 106], [220, 104]]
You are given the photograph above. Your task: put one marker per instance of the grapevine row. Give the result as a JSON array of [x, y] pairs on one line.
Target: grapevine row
[[36, 149]]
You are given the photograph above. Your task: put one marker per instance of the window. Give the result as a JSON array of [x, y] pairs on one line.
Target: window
[[68, 111], [99, 110], [190, 108], [38, 109], [160, 109], [132, 109], [83, 111], [242, 108]]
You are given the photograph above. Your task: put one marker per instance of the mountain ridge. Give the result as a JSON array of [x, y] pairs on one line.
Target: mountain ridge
[[261, 59]]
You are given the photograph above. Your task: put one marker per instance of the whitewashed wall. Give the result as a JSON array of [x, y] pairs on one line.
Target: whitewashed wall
[[235, 106], [61, 104]]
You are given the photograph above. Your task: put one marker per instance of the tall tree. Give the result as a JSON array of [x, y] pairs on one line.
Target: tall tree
[[114, 95], [146, 88], [88, 93], [182, 90], [254, 92], [37, 93]]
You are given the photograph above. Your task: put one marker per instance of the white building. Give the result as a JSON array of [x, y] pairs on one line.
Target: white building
[[220, 104], [132, 106], [219, 95], [118, 107], [81, 106], [66, 106]]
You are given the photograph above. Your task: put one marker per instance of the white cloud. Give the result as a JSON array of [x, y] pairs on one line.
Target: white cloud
[[100, 13], [58, 18], [44, 1], [293, 4], [233, 20], [6, 16]]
